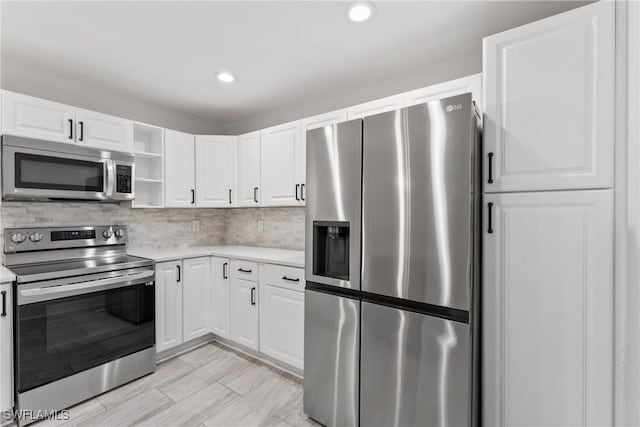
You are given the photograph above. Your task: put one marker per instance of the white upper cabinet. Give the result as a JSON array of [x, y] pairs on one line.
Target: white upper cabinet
[[382, 105], [547, 309], [467, 84], [37, 118], [196, 294], [219, 305], [280, 165], [548, 93], [168, 305], [215, 171], [179, 175], [248, 169], [103, 131]]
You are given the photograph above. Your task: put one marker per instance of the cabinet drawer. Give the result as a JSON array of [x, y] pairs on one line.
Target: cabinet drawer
[[246, 270], [283, 277]]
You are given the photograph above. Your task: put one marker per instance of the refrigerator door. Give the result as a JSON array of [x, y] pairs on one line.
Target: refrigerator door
[[333, 211], [417, 203], [414, 370], [331, 351]]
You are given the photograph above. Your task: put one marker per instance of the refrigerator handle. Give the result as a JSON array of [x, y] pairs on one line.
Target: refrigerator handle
[[490, 217]]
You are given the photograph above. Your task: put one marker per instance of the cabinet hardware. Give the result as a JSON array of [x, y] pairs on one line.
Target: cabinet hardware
[[290, 279], [229, 196], [224, 270], [70, 128], [81, 131], [489, 218], [297, 189], [253, 296], [302, 192], [255, 194], [193, 196], [490, 172], [4, 304], [179, 273], [244, 271]]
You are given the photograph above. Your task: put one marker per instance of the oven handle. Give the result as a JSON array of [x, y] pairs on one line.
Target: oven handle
[[27, 296]]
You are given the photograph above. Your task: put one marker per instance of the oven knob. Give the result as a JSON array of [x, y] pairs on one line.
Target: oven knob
[[18, 237], [119, 233], [107, 233], [35, 237]]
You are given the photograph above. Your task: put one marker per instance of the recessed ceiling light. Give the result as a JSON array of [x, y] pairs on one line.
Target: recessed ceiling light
[[360, 11], [226, 77]]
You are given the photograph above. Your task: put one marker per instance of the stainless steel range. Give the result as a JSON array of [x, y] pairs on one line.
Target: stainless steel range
[[84, 314]]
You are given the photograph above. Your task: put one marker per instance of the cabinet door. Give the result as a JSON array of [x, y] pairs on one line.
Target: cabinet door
[[549, 116], [249, 169], [282, 324], [383, 105], [309, 123], [547, 309], [31, 117], [168, 305], [6, 355], [215, 171], [103, 131], [196, 294], [243, 313], [278, 159], [179, 177], [219, 305], [472, 84]]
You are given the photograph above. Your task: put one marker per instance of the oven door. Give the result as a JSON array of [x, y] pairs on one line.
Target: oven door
[[67, 326], [42, 174]]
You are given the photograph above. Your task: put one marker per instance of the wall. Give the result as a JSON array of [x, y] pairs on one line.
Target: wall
[[161, 228], [269, 227]]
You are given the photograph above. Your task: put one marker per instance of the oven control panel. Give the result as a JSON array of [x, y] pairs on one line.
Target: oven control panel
[[36, 239]]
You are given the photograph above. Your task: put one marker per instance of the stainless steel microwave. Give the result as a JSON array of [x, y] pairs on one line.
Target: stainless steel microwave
[[41, 170]]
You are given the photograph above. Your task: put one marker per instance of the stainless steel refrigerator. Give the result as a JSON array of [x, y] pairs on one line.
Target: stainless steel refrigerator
[[392, 259]]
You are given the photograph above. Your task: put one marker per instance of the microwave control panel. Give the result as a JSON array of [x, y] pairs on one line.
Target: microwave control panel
[[123, 179]]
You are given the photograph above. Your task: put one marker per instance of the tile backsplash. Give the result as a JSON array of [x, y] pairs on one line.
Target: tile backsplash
[[158, 228]]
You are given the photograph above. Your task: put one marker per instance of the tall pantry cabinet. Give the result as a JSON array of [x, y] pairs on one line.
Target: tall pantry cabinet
[[548, 221]]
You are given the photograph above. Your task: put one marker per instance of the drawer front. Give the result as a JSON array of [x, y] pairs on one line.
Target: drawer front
[[246, 270], [281, 276]]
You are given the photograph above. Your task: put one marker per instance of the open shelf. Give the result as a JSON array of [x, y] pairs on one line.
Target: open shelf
[[148, 146]]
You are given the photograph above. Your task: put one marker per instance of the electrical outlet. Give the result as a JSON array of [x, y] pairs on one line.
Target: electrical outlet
[[195, 226]]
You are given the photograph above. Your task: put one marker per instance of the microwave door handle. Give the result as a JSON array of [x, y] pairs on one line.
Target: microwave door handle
[[109, 172], [54, 292]]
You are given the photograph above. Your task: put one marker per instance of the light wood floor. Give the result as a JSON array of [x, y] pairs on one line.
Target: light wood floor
[[210, 386]]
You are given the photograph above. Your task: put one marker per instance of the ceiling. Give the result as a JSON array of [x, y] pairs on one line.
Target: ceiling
[[284, 54]]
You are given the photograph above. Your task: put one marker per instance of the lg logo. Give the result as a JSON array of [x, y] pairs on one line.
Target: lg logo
[[451, 108]]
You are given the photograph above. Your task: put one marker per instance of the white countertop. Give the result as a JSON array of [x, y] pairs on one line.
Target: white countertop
[[6, 275], [286, 257]]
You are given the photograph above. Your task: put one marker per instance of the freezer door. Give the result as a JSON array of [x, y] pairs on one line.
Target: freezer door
[[415, 369], [417, 203], [331, 357], [333, 211]]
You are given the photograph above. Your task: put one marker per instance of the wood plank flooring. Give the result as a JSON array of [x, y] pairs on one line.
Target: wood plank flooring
[[211, 386]]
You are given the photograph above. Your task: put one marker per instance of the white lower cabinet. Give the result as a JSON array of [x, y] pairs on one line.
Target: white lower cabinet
[[547, 309], [282, 324], [183, 289], [6, 350], [196, 291], [219, 303], [168, 305], [243, 312]]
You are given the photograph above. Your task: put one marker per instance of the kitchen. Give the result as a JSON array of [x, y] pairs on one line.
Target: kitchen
[[232, 238]]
